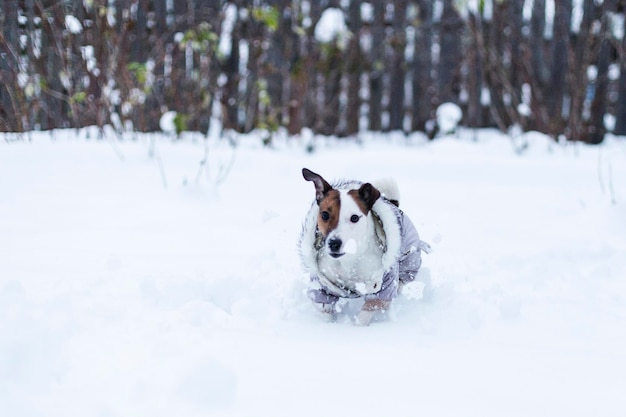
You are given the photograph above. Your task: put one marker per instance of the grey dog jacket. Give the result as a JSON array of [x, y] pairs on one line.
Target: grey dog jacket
[[400, 261]]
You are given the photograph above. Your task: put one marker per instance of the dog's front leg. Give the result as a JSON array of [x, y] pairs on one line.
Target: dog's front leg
[[369, 310], [329, 310]]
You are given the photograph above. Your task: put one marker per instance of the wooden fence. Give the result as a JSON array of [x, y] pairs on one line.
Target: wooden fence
[[553, 66]]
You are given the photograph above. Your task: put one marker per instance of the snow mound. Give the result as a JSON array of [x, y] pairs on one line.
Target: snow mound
[[449, 116], [166, 122], [331, 26]]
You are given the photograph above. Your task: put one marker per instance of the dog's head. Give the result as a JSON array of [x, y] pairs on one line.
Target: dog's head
[[344, 218]]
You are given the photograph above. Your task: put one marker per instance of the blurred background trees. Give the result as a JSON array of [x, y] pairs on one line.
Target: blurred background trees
[[336, 67]]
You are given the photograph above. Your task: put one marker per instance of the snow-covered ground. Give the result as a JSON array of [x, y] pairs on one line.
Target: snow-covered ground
[[120, 296]]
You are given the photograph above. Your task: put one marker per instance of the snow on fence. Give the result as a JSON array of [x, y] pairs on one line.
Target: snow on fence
[[334, 67]]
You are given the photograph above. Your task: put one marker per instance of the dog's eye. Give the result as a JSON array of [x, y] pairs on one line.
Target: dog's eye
[[354, 218], [325, 216]]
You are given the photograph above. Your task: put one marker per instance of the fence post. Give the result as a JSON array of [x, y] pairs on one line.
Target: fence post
[[9, 112], [620, 112], [560, 67], [422, 88], [377, 60], [450, 59], [397, 70], [354, 66]]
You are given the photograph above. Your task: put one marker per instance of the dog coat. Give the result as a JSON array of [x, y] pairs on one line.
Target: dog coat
[[400, 261]]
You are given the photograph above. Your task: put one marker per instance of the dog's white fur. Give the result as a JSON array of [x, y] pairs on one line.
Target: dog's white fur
[[359, 269], [389, 239]]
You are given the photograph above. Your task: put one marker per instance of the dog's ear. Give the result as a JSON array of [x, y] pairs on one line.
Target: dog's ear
[[368, 194], [321, 185]]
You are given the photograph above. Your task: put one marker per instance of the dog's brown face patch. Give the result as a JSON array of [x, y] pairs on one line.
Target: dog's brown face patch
[[328, 217], [355, 195], [365, 197]]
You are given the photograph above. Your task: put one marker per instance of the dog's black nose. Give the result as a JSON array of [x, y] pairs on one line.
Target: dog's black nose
[[334, 244]]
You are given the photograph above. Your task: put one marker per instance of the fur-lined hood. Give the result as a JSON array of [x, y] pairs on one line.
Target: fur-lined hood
[[388, 225]]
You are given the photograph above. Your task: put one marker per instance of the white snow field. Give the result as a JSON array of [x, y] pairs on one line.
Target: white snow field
[[120, 296]]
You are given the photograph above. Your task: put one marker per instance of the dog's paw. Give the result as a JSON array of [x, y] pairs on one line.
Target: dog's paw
[[371, 309], [329, 311], [364, 318], [327, 308]]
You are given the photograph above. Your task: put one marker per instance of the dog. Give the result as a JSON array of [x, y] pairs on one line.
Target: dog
[[357, 243]]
